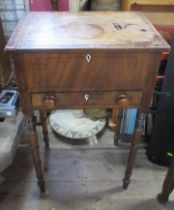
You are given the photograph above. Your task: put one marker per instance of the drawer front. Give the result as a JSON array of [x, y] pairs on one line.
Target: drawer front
[[86, 71], [87, 99]]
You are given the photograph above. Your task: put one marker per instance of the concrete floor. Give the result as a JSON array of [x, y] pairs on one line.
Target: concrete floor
[[82, 178]]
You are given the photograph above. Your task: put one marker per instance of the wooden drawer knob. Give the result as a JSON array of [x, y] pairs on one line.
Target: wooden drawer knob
[[123, 101], [50, 102]]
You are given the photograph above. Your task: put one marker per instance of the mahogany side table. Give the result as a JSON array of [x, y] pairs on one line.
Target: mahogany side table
[[85, 60]]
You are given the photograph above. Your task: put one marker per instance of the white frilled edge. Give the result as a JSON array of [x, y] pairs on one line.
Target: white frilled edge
[[74, 124]]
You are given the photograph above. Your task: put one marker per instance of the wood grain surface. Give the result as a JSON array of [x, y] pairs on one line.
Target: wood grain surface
[[99, 30]]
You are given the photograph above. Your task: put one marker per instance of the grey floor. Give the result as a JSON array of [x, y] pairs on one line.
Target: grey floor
[[82, 177]]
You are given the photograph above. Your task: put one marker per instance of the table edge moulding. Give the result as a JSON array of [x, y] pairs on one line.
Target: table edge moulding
[[85, 60]]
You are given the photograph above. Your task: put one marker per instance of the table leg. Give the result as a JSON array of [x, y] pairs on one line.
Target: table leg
[[43, 118], [133, 150], [32, 138], [168, 185], [118, 125]]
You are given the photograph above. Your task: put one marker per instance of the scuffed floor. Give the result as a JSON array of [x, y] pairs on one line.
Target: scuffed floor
[[82, 178]]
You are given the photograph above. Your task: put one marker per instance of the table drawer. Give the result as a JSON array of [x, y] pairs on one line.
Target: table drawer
[[87, 99], [86, 71]]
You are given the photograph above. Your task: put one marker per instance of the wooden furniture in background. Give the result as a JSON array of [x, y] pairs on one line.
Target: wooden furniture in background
[[147, 5], [5, 65], [160, 12], [161, 18], [85, 60]]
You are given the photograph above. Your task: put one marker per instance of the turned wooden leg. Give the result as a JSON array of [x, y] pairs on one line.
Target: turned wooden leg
[[113, 120], [32, 138], [168, 185], [133, 150], [43, 118], [118, 125]]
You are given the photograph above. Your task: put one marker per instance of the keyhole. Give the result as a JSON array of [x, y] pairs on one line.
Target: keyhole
[[88, 58], [87, 96]]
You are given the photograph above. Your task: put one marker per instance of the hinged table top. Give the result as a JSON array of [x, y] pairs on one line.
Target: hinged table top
[[85, 30]]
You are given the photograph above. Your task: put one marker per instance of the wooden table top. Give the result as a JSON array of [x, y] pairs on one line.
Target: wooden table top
[[85, 30]]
